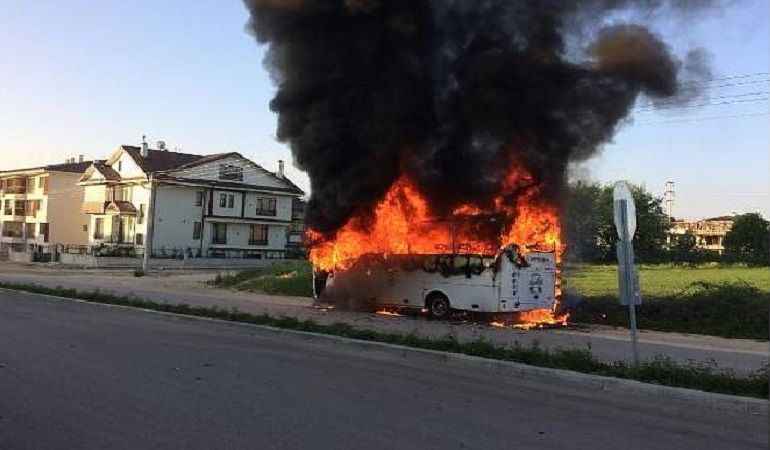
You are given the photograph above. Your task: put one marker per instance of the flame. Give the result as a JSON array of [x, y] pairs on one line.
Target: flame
[[402, 223], [387, 312]]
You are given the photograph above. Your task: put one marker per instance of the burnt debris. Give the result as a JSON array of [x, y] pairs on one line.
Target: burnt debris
[[453, 92]]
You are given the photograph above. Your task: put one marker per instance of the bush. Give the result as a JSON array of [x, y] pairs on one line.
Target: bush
[[728, 309], [138, 272]]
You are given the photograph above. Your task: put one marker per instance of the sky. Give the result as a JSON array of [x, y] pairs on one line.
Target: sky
[[83, 77]]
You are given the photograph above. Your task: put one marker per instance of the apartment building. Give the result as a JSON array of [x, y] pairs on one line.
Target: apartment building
[[185, 205], [709, 233], [40, 207]]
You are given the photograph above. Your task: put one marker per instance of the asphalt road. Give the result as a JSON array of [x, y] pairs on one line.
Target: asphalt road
[[606, 344], [75, 375]]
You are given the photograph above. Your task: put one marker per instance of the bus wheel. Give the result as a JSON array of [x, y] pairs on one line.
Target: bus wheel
[[438, 306]]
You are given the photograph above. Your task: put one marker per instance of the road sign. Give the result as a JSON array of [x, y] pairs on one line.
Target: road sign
[[626, 261], [628, 279], [623, 201]]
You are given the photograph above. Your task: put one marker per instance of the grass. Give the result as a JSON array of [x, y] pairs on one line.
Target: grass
[[728, 309], [292, 278], [662, 370], [658, 281]]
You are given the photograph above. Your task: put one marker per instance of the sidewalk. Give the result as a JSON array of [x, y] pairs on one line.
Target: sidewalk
[[606, 343]]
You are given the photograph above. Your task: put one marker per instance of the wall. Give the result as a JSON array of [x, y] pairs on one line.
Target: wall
[[283, 205], [252, 173], [175, 214], [235, 211], [64, 213], [238, 234]]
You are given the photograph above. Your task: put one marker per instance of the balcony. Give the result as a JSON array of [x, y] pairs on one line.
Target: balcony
[[15, 189]]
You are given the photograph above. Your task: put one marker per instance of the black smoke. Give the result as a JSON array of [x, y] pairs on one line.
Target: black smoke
[[452, 92]]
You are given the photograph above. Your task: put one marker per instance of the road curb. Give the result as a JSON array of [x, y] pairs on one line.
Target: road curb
[[724, 402]]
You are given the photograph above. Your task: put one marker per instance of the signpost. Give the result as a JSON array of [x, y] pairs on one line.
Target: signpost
[[628, 279]]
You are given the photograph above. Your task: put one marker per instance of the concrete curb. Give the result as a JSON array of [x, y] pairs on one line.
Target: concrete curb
[[711, 400]]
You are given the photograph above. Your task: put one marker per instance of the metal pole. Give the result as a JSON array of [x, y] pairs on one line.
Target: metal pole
[[629, 281], [150, 218]]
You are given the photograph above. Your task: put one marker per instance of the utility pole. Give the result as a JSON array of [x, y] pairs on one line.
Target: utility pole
[[150, 221], [668, 198]]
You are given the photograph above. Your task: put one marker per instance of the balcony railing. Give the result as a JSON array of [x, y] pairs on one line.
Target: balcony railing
[[15, 189], [13, 233]]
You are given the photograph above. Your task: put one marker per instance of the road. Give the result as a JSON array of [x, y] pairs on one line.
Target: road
[[606, 343], [78, 375]]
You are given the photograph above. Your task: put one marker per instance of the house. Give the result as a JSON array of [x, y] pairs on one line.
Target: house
[[295, 245], [40, 207], [709, 233], [185, 205]]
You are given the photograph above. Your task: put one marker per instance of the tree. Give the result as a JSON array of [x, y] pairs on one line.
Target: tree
[[747, 240], [589, 226]]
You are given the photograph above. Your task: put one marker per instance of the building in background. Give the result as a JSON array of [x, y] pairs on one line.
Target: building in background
[[295, 247], [709, 233], [185, 205], [40, 207]]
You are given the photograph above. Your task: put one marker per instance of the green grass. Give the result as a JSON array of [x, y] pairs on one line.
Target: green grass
[[659, 371], [731, 310], [658, 280], [292, 278], [727, 301]]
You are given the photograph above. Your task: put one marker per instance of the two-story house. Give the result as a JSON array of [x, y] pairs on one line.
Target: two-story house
[[185, 205], [40, 207]]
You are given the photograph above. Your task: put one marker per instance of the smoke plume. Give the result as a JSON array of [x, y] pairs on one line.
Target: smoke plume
[[452, 92]]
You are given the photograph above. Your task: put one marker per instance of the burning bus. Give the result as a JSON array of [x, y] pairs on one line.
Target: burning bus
[[509, 281], [503, 260]]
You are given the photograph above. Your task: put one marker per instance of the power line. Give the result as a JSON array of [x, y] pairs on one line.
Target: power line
[[704, 119], [732, 102], [709, 98]]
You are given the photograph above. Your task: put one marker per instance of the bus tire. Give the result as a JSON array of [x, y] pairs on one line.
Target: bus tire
[[438, 306]]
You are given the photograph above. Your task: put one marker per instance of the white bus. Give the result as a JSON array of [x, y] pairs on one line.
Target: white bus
[[506, 282]]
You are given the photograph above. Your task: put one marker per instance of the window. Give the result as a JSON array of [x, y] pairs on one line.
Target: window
[[45, 185], [199, 198], [196, 230], [140, 214], [40, 182], [29, 230], [43, 231], [125, 193], [99, 228], [19, 208], [220, 233], [32, 207], [230, 172], [8, 210], [266, 206], [139, 239], [231, 201], [258, 235], [85, 228], [120, 166], [223, 200]]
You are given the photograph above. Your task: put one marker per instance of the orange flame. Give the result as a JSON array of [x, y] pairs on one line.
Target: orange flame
[[402, 223]]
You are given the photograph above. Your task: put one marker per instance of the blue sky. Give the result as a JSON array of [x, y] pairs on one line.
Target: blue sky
[[82, 77]]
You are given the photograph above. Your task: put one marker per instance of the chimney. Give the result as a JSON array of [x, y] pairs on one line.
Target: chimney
[[80, 158], [145, 148], [280, 169], [162, 145]]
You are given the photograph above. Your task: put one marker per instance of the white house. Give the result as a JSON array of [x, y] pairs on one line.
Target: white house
[[179, 204]]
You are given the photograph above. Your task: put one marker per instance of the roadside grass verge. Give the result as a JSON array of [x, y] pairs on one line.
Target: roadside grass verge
[[292, 278], [659, 280], [661, 370], [727, 309]]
